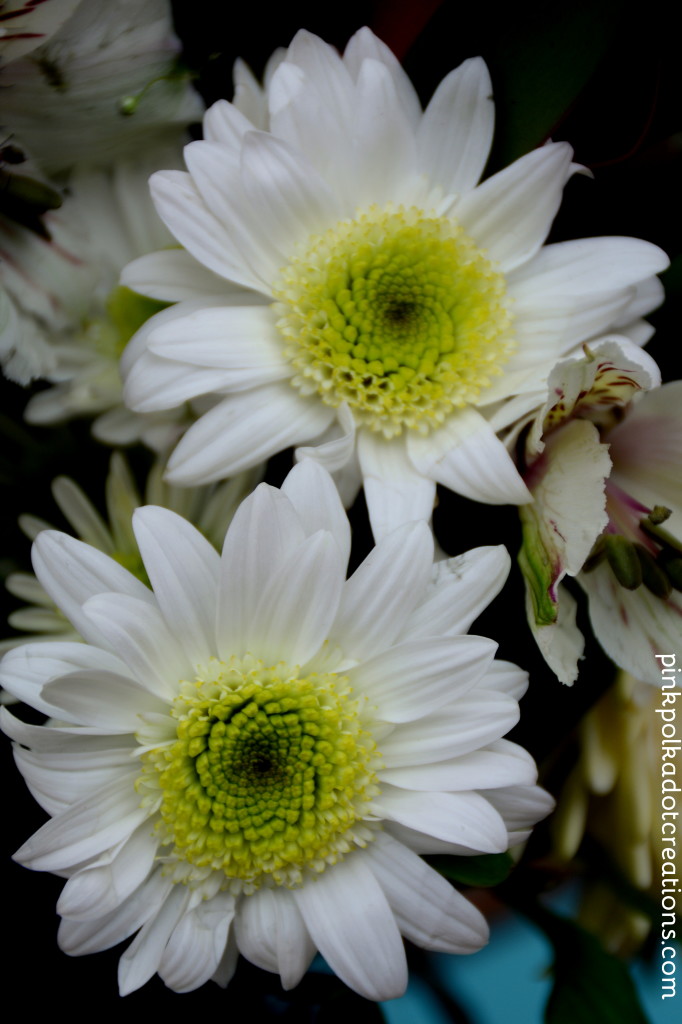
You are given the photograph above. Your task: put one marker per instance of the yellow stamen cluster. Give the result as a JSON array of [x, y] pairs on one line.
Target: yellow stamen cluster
[[397, 313], [268, 777]]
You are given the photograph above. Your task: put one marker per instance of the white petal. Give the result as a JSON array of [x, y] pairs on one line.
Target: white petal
[[473, 721], [456, 131], [142, 957], [586, 265], [299, 604], [311, 491], [511, 213], [429, 911], [461, 588], [395, 491], [101, 887], [364, 45], [71, 572], [184, 570], [172, 275], [501, 764], [336, 453], [181, 207], [416, 678], [27, 669], [272, 935], [146, 645], [226, 124], [521, 806], [286, 192], [244, 429], [466, 455], [197, 944], [350, 922], [87, 828], [263, 534], [383, 139], [239, 339], [72, 744], [505, 677], [383, 591], [57, 786], [463, 818], [102, 699], [80, 937]]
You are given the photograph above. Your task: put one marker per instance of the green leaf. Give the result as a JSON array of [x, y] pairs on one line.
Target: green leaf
[[484, 870], [591, 986]]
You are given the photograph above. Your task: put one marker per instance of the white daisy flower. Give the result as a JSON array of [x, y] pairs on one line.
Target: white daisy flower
[[347, 283], [255, 753]]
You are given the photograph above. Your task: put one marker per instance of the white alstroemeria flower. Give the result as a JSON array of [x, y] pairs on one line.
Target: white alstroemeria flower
[[255, 753], [71, 318], [347, 283], [102, 84], [209, 508], [26, 25], [600, 456]]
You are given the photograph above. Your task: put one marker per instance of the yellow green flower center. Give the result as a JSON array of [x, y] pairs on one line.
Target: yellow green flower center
[[397, 313], [269, 775]]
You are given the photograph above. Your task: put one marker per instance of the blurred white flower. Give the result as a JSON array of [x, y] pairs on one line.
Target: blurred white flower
[[209, 508], [255, 753], [102, 87]]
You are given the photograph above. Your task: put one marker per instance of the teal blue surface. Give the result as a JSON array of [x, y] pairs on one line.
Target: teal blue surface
[[508, 982]]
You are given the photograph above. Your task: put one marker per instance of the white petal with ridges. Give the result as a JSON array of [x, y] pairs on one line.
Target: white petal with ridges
[[181, 207], [172, 275], [244, 429], [383, 591], [72, 572], [183, 568], [501, 764], [429, 911], [87, 828], [271, 934], [295, 612], [350, 922], [473, 721], [467, 456], [102, 886], [463, 818], [395, 491], [414, 679], [27, 669], [459, 591], [511, 213], [143, 956], [197, 944], [311, 491], [456, 131], [263, 534]]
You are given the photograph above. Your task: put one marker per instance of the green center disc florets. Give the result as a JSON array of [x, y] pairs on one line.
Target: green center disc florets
[[397, 313], [269, 777]]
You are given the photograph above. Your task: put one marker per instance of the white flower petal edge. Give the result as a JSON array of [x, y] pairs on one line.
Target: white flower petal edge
[[255, 696], [353, 214]]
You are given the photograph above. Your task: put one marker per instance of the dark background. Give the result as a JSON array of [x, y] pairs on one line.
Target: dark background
[[592, 74]]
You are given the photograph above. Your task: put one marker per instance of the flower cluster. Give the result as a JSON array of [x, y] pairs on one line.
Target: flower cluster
[[243, 749]]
